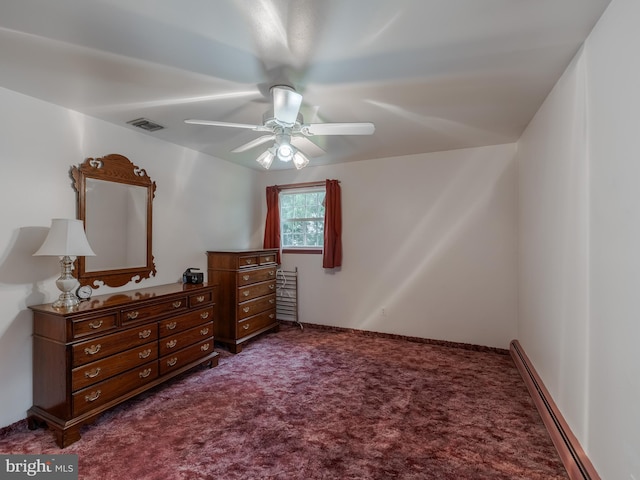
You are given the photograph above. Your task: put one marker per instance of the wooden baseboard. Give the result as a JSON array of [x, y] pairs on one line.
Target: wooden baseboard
[[370, 333], [573, 457]]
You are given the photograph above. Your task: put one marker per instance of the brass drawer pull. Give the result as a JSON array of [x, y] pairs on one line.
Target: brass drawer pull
[[93, 349], [272, 286], [245, 326], [172, 325], [204, 315], [268, 259], [271, 315], [144, 334], [245, 277], [246, 309], [93, 396], [92, 373], [271, 273], [200, 299], [95, 324], [271, 300], [172, 361], [172, 343], [132, 315], [245, 293], [177, 304], [144, 353], [204, 347], [204, 331], [145, 373]]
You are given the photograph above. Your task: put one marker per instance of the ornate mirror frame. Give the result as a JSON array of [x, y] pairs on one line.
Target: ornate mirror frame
[[120, 170]]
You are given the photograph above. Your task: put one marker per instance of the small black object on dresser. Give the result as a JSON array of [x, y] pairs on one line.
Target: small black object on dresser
[[189, 276]]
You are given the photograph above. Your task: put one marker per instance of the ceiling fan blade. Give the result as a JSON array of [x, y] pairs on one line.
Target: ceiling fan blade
[[257, 128], [365, 128], [254, 143], [286, 105], [307, 146]]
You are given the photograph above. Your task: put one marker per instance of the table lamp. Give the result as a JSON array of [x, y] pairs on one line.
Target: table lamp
[[67, 240]]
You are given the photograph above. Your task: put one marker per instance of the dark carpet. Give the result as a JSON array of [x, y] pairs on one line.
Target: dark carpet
[[321, 404]]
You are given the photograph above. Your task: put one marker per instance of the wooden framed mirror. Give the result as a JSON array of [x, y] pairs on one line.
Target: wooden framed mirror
[[115, 200]]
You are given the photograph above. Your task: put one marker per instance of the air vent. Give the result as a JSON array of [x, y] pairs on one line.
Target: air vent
[[145, 124]]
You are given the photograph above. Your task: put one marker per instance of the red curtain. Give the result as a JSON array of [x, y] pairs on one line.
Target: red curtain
[[332, 255], [272, 224]]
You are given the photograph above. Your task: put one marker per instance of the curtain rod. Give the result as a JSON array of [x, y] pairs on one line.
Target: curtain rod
[[320, 183]]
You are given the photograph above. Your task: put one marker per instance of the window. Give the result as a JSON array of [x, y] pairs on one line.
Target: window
[[302, 219]]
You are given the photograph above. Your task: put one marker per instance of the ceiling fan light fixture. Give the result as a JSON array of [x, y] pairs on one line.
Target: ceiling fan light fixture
[[283, 122], [266, 158], [300, 161], [285, 152]]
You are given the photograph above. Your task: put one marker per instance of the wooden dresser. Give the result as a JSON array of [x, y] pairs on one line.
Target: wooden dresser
[[113, 347], [247, 301]]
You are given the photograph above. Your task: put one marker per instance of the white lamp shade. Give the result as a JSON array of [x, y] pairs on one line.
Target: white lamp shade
[[300, 161], [66, 237], [266, 158]]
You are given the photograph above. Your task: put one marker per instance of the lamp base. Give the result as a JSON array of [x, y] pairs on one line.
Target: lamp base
[[66, 284], [66, 300]]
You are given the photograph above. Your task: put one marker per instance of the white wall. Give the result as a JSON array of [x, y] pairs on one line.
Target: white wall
[[201, 203], [580, 231], [553, 231], [613, 76], [431, 239]]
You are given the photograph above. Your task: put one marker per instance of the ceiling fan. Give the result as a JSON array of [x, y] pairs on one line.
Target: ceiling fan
[[285, 126]]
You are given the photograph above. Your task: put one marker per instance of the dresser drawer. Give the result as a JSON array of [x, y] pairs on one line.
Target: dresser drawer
[[185, 356], [253, 324], [155, 310], [94, 325], [184, 339], [103, 392], [253, 307], [201, 298], [94, 372], [92, 350], [255, 276], [245, 261], [267, 258], [173, 325], [256, 290]]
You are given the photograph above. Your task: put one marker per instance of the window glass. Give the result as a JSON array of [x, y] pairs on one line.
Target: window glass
[[302, 218]]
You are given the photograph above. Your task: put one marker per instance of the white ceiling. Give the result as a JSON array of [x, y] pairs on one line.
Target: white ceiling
[[431, 75]]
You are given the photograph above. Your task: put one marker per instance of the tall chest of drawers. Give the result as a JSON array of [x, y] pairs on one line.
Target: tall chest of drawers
[[247, 300], [113, 347]]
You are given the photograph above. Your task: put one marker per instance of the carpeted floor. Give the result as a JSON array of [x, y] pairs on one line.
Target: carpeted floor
[[321, 404]]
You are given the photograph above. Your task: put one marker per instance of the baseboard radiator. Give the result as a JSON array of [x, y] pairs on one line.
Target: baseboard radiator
[[573, 457]]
